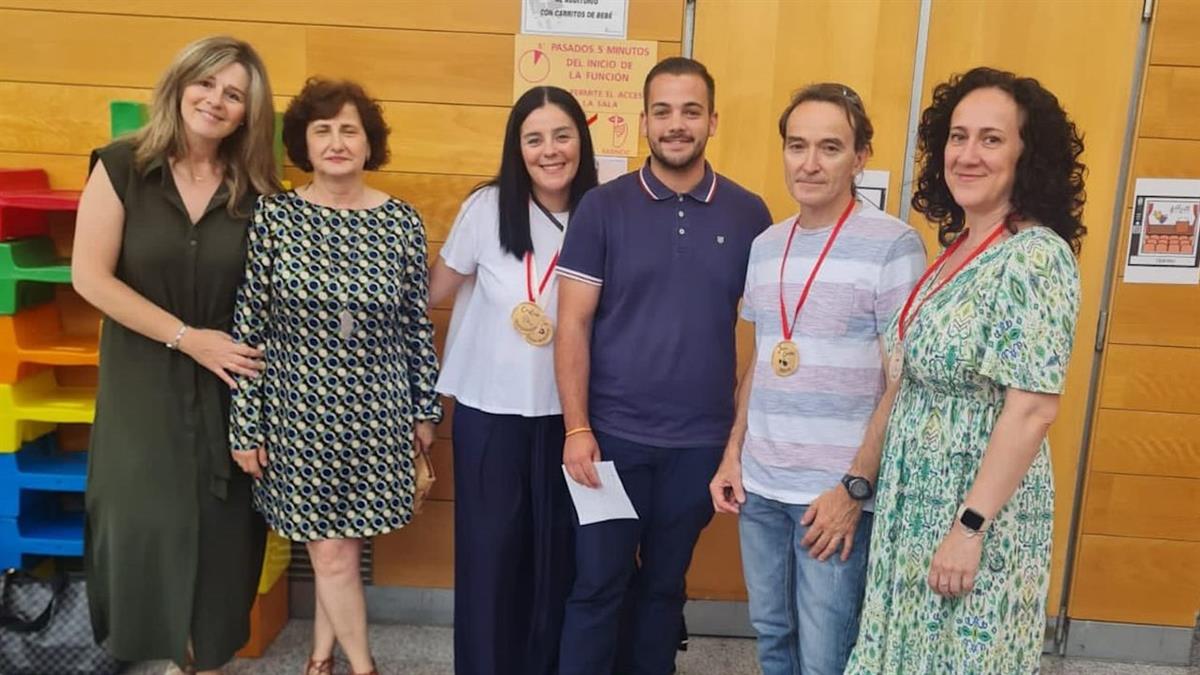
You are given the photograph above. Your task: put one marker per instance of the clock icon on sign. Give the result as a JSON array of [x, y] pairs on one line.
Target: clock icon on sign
[[534, 66]]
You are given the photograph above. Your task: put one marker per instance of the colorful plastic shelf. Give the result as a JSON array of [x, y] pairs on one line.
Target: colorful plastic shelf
[[39, 465], [26, 200], [275, 561], [268, 616], [42, 529], [33, 338], [31, 408], [28, 261]]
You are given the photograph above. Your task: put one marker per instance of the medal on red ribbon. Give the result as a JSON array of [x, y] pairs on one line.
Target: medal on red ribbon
[[785, 358], [528, 318]]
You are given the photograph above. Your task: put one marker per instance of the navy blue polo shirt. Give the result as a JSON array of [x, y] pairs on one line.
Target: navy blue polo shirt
[[671, 268]]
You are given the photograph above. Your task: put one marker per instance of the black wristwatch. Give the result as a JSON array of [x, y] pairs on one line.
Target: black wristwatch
[[859, 488], [972, 522]]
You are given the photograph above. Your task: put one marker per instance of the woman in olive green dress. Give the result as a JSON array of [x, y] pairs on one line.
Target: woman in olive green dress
[[173, 548]]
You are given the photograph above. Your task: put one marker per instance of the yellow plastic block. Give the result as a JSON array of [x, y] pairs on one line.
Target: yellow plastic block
[[34, 338], [33, 406], [275, 561]]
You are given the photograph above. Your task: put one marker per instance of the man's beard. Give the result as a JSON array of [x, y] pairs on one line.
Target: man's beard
[[697, 155]]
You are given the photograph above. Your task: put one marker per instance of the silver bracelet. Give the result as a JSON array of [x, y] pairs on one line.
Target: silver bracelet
[[174, 343]]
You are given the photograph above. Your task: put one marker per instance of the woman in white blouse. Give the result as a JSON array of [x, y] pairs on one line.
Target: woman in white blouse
[[512, 540]]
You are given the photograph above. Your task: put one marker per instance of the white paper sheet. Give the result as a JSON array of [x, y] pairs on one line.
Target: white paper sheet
[[607, 502]]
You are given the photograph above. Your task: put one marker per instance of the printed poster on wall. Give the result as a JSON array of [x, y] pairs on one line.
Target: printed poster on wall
[[1163, 237], [605, 75], [872, 186], [584, 18]]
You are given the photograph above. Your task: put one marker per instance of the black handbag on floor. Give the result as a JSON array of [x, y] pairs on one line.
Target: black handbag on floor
[[45, 628]]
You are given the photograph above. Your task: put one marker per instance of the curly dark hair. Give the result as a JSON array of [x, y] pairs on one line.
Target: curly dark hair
[[322, 99], [1048, 187]]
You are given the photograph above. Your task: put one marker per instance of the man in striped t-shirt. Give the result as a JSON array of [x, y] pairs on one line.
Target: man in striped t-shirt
[[800, 466]]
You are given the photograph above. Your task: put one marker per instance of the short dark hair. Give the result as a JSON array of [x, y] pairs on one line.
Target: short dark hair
[[1049, 182], [680, 65], [322, 99], [513, 181], [843, 97]]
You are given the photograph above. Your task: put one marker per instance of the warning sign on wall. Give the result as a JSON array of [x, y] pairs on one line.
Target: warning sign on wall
[[605, 75], [598, 18]]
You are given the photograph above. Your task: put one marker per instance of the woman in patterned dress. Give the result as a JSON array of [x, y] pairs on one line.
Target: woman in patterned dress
[[335, 294], [960, 555]]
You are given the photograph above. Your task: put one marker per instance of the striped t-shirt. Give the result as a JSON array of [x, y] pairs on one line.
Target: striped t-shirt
[[804, 429]]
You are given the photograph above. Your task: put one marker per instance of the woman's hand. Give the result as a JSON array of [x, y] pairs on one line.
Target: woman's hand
[[423, 435], [252, 461], [955, 563], [217, 352]]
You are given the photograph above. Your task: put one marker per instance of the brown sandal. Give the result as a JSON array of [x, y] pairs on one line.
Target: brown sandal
[[315, 667], [373, 671]]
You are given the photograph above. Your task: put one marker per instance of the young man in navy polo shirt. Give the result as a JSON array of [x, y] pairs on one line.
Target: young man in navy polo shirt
[[651, 272]]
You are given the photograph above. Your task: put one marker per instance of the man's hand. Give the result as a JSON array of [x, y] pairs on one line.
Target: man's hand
[[726, 486], [580, 454], [831, 520]]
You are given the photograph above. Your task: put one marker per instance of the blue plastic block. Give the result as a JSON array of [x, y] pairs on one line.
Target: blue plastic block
[[41, 529], [39, 465]]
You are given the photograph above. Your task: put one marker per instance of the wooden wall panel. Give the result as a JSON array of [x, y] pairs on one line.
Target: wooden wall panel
[[1143, 506], [1146, 443], [716, 571], [66, 172], [428, 138], [417, 65], [756, 77], [1176, 27], [50, 118], [488, 16], [1154, 314], [648, 19], [1128, 580], [419, 554], [1171, 102], [129, 51], [1160, 379], [1144, 468], [656, 20]]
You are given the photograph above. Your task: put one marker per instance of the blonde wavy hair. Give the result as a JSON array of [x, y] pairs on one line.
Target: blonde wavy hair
[[247, 152]]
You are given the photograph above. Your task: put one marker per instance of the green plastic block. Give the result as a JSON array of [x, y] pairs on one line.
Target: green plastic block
[[127, 116], [27, 268]]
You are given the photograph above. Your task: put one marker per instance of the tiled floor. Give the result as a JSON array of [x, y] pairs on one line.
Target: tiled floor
[[427, 650]]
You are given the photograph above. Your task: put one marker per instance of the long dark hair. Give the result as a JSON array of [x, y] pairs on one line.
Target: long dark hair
[[516, 188], [1049, 185]]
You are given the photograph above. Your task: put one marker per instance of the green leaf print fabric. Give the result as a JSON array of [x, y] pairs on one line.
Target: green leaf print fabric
[[1006, 320]]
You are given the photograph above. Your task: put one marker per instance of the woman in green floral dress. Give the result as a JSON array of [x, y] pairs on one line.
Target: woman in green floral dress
[[960, 554]]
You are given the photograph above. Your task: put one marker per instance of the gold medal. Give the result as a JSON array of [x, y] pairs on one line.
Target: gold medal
[[896, 362], [541, 335], [785, 358], [526, 317]]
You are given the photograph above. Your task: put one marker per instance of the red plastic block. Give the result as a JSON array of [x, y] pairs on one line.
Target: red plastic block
[[26, 198]]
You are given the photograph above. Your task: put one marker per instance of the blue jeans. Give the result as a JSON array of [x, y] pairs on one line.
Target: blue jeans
[[804, 611]]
